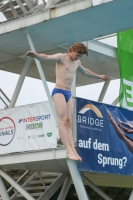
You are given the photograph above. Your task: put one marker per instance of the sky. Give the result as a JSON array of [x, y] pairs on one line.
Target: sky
[[33, 91]]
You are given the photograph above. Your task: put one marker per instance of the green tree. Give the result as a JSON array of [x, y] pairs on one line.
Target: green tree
[[113, 192]]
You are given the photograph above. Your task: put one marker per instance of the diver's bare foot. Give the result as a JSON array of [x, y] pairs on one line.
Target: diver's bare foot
[[75, 152], [70, 154]]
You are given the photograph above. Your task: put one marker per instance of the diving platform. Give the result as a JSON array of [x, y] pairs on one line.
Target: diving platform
[[54, 160], [68, 22]]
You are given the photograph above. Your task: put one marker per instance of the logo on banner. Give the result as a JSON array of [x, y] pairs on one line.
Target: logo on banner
[[49, 134], [7, 130], [32, 137], [127, 101], [35, 118], [34, 126], [108, 147], [42, 135], [84, 119], [87, 107]]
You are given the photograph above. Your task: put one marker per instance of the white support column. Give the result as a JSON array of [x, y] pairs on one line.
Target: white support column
[[115, 102], [15, 185], [20, 82], [131, 196], [74, 127], [73, 90], [3, 101], [3, 191], [29, 4], [4, 95], [65, 188], [103, 92], [21, 6], [77, 180], [14, 12], [96, 189], [39, 67], [49, 3]]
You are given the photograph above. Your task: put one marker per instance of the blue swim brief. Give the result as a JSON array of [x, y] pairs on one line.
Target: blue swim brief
[[67, 94]]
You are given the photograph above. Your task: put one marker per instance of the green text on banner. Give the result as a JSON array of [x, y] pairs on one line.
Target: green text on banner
[[125, 58]]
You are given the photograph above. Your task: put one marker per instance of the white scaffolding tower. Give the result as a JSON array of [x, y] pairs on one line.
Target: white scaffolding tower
[[57, 27]]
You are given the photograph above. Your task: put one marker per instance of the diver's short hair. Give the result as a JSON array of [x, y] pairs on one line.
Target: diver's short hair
[[79, 48]]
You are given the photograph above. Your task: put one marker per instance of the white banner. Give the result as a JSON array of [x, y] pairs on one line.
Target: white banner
[[30, 127]]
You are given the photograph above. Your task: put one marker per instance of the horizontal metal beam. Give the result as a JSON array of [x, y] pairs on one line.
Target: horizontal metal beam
[[15, 185], [101, 48], [24, 184], [26, 157], [21, 178], [55, 186]]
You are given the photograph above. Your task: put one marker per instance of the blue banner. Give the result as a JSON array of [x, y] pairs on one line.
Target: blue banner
[[104, 138]]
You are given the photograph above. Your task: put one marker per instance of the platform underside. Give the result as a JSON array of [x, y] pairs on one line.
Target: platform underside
[[55, 161], [75, 21]]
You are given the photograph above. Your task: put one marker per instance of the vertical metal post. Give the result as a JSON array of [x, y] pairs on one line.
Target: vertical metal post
[[3, 191], [96, 189], [77, 180], [118, 99], [20, 82], [65, 188], [39, 67], [73, 90], [115, 102], [22, 7], [13, 10], [74, 126], [103, 92], [15, 185], [131, 196], [49, 3]]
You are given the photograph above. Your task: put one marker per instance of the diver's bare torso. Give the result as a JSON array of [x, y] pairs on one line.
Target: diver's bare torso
[[65, 70]]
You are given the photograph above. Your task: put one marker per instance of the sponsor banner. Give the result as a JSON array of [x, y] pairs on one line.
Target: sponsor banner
[[104, 137], [125, 58], [30, 127]]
